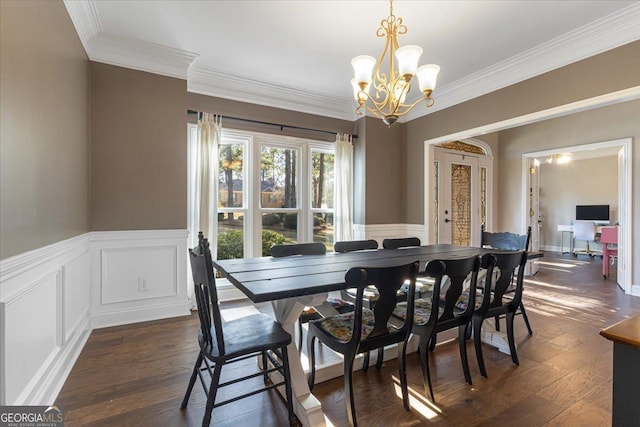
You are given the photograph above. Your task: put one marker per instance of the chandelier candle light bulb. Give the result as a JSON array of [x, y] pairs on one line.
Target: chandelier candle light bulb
[[390, 90]]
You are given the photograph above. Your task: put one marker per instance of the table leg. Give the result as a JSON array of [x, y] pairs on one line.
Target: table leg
[[305, 405]]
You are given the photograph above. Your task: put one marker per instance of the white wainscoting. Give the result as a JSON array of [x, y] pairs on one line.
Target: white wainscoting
[[52, 297], [138, 276], [379, 232], [44, 319]]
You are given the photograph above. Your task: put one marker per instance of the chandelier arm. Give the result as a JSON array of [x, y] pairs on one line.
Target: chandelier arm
[[407, 107], [377, 105]]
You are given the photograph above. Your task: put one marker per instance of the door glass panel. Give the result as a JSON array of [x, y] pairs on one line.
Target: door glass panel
[[461, 204], [278, 177], [322, 180], [230, 178], [230, 235]]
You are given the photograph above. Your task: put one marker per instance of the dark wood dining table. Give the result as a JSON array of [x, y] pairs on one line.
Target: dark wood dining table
[[294, 282]]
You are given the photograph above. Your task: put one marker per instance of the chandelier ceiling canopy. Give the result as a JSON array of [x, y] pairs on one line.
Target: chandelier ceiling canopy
[[390, 89]]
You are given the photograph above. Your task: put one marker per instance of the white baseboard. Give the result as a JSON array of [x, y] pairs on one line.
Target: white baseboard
[[135, 315]]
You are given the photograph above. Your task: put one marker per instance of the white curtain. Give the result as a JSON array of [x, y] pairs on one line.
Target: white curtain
[[209, 134], [343, 213]]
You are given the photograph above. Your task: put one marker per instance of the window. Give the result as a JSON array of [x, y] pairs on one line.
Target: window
[[271, 190]]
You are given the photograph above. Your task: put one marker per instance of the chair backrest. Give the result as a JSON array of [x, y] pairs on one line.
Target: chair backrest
[[458, 271], [507, 264], [205, 293], [584, 230], [400, 243], [387, 281], [505, 240], [278, 251], [609, 235], [355, 245]]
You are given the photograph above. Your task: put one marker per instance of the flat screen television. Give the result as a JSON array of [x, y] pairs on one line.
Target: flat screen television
[[597, 213]]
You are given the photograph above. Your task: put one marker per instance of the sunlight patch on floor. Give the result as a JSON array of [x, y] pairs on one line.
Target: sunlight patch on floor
[[556, 269], [563, 301], [556, 264], [418, 402], [544, 284]]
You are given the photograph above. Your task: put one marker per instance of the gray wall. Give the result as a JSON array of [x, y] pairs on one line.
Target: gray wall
[[44, 137], [563, 186], [605, 73], [139, 150]]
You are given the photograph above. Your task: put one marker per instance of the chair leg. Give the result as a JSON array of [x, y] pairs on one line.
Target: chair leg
[[192, 381], [265, 367], [211, 399], [365, 362], [299, 336], [287, 384], [424, 361], [525, 317], [311, 354], [348, 389], [463, 352], [498, 323], [380, 358], [477, 341], [402, 372], [432, 342], [510, 336]]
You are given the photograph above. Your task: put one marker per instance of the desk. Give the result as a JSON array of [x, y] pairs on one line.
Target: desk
[[563, 228], [293, 282]]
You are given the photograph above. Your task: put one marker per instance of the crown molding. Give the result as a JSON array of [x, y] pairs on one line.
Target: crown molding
[[141, 55], [245, 89], [85, 18], [606, 33]]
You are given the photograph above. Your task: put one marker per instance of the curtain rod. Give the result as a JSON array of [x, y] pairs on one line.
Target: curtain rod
[[281, 126]]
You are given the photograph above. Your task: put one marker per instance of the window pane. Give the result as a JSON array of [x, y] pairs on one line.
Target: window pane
[[278, 228], [323, 229], [230, 180], [322, 180], [278, 177], [230, 235]]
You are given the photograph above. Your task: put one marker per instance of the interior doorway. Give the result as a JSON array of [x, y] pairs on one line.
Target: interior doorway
[[462, 190], [530, 192]]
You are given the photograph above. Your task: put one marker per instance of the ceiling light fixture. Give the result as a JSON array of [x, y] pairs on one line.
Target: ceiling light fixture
[[390, 90]]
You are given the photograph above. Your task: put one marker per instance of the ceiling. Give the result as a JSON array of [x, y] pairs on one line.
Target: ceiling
[[296, 54]]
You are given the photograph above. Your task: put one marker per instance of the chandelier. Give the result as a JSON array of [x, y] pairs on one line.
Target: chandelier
[[390, 90]]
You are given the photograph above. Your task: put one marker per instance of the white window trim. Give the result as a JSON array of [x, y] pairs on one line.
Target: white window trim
[[253, 143]]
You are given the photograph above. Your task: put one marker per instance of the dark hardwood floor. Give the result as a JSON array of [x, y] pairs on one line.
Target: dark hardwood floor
[[136, 374]]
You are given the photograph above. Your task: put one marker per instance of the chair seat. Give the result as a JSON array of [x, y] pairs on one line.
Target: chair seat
[[422, 309], [310, 313], [246, 335], [341, 325]]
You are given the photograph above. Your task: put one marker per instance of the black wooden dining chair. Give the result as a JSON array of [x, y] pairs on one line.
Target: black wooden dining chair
[[507, 264], [223, 342], [509, 242], [365, 330], [437, 314], [309, 313], [424, 286]]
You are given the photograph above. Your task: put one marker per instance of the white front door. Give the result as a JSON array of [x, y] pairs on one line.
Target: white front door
[[458, 220]]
